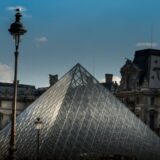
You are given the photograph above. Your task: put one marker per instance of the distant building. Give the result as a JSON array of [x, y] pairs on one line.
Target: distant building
[[140, 86], [26, 95], [110, 84]]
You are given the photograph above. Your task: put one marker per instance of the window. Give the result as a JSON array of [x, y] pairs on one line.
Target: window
[[152, 100], [152, 120]]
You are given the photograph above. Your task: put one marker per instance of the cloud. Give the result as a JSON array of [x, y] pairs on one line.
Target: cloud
[[12, 8], [114, 79], [6, 73], [147, 44], [42, 39]]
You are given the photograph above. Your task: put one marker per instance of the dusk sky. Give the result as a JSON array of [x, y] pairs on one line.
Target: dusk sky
[[98, 34]]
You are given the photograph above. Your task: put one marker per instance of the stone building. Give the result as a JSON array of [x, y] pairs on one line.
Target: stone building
[[140, 86], [110, 84], [25, 96]]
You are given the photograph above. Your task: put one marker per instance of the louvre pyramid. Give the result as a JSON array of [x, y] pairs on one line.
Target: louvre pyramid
[[81, 118]]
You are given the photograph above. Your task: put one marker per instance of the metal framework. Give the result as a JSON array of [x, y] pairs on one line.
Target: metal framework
[[81, 118]]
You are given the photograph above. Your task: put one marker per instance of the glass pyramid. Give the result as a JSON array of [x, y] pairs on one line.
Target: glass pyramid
[[80, 118]]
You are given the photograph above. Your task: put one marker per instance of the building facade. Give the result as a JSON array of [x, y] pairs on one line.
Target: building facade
[[25, 96], [110, 84], [140, 87]]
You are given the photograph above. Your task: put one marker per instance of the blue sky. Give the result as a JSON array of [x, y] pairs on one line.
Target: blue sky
[[99, 34]]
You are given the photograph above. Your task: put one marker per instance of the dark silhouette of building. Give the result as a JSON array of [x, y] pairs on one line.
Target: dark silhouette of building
[[109, 83]]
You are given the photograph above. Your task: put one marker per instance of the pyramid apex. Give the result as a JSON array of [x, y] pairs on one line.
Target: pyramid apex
[[78, 64]]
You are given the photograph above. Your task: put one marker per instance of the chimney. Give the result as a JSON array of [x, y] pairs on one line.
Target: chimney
[[108, 78], [53, 79]]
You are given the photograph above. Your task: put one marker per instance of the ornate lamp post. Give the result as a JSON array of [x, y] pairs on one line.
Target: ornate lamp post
[[16, 30], [39, 125]]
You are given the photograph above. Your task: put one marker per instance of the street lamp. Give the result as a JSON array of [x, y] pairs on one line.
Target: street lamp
[[16, 30], [38, 125]]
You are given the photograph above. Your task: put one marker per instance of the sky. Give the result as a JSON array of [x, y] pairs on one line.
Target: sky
[[99, 34]]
